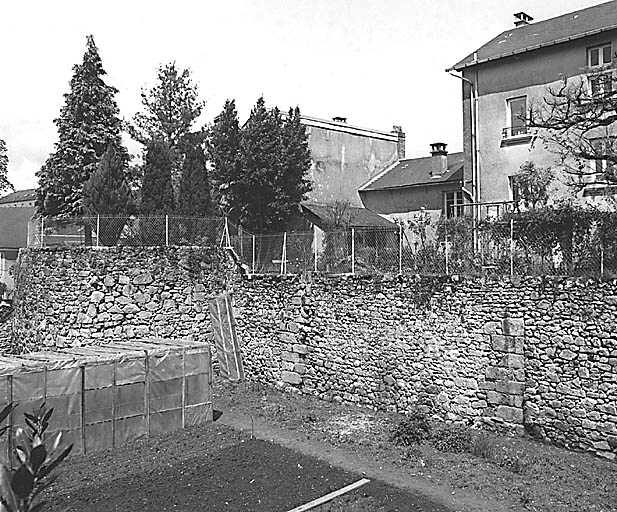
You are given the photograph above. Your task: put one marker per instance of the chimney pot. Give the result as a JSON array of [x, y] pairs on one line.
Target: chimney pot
[[338, 119], [521, 19]]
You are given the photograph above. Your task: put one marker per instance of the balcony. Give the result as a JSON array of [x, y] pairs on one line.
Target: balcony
[[514, 135]]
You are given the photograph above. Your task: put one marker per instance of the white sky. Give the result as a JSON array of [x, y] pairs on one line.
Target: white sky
[[377, 62]]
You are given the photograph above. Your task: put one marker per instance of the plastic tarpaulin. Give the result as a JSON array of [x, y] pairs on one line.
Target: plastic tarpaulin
[[108, 395], [228, 353]]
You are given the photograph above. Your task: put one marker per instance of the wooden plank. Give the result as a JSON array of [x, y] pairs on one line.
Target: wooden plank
[[331, 496]]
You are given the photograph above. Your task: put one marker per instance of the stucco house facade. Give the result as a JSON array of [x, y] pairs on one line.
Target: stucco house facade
[[505, 76], [16, 210], [344, 157]]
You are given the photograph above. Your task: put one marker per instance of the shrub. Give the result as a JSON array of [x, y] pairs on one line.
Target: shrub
[[483, 446], [37, 457], [452, 438], [412, 429]]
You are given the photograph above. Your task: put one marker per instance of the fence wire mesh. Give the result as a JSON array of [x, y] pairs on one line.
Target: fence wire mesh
[[456, 246]]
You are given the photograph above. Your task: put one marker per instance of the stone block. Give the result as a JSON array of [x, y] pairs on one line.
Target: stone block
[[491, 327], [291, 378], [299, 368], [97, 296], [290, 356], [567, 354], [510, 414], [130, 308], [512, 344], [287, 337], [512, 361], [143, 279], [513, 326], [495, 398], [510, 387], [301, 349], [109, 281]]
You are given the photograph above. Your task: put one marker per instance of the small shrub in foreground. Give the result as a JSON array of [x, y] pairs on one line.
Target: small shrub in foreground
[[452, 438], [483, 446], [412, 429]]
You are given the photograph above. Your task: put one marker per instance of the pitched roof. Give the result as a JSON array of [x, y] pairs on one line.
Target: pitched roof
[[354, 217], [574, 25], [413, 172], [14, 227], [18, 196]]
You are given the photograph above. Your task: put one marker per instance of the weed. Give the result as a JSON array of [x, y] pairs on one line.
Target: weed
[[452, 438], [411, 430], [482, 446]]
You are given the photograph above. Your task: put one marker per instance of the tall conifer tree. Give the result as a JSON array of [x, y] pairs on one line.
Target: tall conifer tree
[[88, 124], [194, 198], [4, 164], [224, 152], [156, 192]]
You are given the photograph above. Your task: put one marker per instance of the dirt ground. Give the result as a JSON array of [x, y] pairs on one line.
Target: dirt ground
[[272, 451]]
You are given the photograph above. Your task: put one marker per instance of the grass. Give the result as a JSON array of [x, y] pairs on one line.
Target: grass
[[519, 473]]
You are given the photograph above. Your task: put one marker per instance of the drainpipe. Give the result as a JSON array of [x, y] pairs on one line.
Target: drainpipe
[[475, 175]]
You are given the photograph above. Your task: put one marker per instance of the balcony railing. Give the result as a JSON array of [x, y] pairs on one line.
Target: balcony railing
[[514, 131]]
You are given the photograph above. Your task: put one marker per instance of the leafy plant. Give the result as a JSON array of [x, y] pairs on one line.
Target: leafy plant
[[411, 430], [452, 438], [37, 457]]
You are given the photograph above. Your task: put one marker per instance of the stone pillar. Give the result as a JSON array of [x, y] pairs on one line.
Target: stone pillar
[[505, 380]]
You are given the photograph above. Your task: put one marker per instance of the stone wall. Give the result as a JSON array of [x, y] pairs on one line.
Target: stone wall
[[523, 354], [73, 297]]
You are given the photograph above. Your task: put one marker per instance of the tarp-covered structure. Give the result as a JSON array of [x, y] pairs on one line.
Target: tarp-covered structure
[[107, 395]]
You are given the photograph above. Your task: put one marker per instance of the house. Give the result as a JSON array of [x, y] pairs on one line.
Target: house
[[16, 210], [20, 198], [344, 157], [511, 72], [433, 183]]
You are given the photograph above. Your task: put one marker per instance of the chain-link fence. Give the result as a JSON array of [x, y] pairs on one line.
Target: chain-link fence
[[500, 246], [132, 230]]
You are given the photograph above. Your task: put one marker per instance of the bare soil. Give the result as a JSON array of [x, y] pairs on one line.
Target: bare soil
[[273, 451]]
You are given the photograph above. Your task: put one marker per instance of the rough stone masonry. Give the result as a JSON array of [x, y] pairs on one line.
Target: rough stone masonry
[[535, 354]]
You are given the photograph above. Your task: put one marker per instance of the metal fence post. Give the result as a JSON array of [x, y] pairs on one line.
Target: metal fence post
[[447, 255], [98, 229], [253, 254], [167, 230], [601, 260], [315, 247], [42, 231], [511, 247], [353, 251], [284, 255], [400, 249]]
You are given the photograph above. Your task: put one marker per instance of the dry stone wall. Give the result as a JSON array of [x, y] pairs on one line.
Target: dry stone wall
[[535, 354], [74, 297]]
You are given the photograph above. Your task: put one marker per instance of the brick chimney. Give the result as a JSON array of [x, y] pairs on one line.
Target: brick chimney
[[339, 119], [400, 143], [439, 158], [521, 19]]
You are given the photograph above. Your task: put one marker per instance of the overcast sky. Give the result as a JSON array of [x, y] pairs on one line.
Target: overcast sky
[[377, 62]]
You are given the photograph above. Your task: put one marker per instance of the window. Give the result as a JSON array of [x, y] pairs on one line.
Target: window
[[453, 204], [599, 56], [515, 189], [517, 124]]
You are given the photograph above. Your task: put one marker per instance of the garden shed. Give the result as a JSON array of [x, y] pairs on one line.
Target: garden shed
[[107, 395]]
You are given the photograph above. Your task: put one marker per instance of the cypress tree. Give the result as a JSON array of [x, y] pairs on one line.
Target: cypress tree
[[194, 198], [156, 192], [224, 151], [88, 124]]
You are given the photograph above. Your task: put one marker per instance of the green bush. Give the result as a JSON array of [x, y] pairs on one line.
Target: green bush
[[452, 438], [412, 429], [483, 446]]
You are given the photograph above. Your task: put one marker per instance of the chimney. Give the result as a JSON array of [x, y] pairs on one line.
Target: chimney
[[439, 158], [521, 19], [339, 119], [400, 143]]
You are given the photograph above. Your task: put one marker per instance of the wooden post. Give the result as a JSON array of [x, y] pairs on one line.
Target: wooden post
[[98, 228], [253, 254], [447, 252], [315, 247], [400, 249], [511, 247]]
